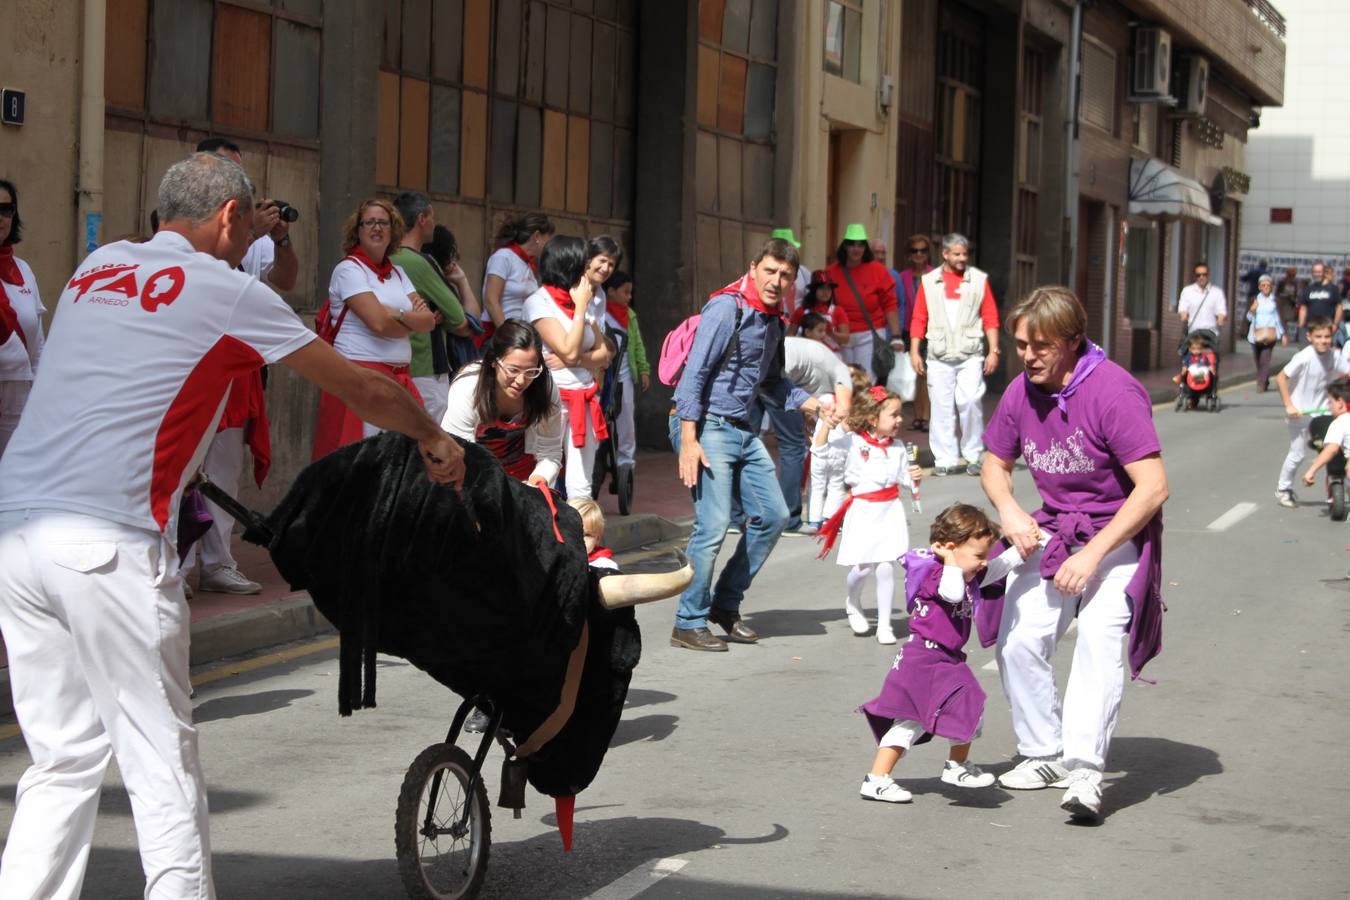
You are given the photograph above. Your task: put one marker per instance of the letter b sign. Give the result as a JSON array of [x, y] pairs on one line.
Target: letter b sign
[[11, 107]]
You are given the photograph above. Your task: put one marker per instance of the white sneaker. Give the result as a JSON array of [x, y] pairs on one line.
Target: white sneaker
[[228, 580], [1083, 799], [1034, 773], [885, 635], [1286, 498], [883, 787], [967, 775], [857, 622]]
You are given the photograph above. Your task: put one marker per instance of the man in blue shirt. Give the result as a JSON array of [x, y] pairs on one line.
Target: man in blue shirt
[[729, 373]]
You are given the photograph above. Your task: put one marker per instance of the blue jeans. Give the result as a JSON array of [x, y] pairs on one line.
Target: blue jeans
[[739, 462], [789, 426]]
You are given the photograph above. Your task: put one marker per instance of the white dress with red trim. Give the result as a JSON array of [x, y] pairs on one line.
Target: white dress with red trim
[[873, 531]]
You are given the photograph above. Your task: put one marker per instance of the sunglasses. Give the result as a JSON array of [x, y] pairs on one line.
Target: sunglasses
[[8, 210], [918, 249]]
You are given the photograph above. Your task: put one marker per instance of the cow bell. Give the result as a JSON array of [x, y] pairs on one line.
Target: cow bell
[[511, 795]]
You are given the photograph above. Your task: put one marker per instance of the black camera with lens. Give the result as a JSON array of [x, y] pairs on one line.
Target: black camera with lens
[[288, 213]]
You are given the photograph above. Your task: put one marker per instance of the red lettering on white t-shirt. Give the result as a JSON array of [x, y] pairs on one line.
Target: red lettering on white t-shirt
[[162, 288], [83, 282]]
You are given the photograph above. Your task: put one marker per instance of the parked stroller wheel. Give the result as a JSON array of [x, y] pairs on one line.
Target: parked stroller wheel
[[603, 468], [623, 484], [1338, 501]]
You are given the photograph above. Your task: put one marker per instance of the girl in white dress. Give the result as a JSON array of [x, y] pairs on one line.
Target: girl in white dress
[[871, 525]]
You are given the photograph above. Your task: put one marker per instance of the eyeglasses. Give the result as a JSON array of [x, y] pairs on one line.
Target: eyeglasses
[[1201, 274], [514, 372], [918, 249], [8, 210], [372, 224]]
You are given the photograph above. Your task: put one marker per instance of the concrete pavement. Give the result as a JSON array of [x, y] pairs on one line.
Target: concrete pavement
[[735, 775]]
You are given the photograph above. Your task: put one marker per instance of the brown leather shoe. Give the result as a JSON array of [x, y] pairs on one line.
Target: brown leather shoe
[[697, 639], [737, 631]]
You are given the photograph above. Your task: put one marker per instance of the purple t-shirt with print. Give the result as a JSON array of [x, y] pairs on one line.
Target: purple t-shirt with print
[[1077, 455]]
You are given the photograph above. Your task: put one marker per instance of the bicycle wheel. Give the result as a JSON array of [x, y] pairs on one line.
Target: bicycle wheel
[[434, 861]]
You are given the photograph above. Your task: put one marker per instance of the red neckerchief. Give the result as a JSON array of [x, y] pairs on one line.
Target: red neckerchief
[[562, 298], [9, 317], [520, 251], [9, 269], [619, 312], [382, 271], [600, 553], [746, 288], [883, 443]]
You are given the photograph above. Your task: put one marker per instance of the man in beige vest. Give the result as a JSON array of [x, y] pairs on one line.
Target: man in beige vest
[[956, 314]]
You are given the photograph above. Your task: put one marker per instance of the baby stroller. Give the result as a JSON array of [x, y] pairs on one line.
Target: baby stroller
[[1199, 384], [1317, 434], [607, 454]]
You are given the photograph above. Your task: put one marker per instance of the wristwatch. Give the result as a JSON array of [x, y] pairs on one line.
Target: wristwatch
[[283, 241], [399, 315]]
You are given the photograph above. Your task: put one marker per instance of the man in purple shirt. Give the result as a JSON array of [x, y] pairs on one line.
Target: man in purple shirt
[[1084, 427], [734, 367]]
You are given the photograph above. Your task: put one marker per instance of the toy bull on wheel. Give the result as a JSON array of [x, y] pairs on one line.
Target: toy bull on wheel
[[486, 589]]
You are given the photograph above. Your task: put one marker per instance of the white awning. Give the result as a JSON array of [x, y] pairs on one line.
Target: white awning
[[1158, 191]]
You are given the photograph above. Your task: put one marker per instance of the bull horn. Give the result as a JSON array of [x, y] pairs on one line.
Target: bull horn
[[618, 591]]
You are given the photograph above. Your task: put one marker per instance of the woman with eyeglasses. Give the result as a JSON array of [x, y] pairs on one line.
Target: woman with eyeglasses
[[373, 307], [20, 318], [508, 403], [569, 316], [918, 262]]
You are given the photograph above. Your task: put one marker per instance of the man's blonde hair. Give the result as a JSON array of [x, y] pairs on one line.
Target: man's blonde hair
[[1051, 313]]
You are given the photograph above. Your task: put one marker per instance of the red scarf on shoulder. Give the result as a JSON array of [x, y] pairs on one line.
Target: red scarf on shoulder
[[619, 312], [382, 271], [529, 260], [562, 298], [746, 288], [9, 317]]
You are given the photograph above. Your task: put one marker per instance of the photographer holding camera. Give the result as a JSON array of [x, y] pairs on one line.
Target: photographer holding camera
[[272, 260]]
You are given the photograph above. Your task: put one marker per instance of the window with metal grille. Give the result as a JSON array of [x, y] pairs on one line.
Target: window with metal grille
[[1098, 102]]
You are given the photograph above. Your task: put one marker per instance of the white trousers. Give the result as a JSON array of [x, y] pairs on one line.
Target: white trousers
[[224, 461], [827, 486], [625, 432], [1298, 448], [955, 390], [97, 633], [905, 732], [578, 461], [1035, 617], [13, 398], [435, 391], [857, 351]]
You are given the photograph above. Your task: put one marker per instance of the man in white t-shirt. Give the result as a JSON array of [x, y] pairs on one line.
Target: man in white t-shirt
[[91, 598], [1303, 388], [271, 259], [1202, 305]]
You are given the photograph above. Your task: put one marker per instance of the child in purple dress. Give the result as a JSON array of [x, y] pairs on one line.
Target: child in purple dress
[[930, 690]]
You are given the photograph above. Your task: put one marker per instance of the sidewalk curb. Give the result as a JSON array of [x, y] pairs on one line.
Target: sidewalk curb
[[295, 618]]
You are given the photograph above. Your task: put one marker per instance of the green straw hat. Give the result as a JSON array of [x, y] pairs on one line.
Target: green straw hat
[[855, 232], [785, 234]]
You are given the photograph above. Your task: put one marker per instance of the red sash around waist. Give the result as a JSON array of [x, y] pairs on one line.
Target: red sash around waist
[[581, 404], [829, 532], [337, 425]]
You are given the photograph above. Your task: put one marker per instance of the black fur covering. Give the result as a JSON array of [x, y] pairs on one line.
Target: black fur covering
[[472, 587]]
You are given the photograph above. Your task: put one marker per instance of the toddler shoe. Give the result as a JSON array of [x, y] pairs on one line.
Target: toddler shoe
[[885, 635], [967, 775], [857, 622], [884, 788]]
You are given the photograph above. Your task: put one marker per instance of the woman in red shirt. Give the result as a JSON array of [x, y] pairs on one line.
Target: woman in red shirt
[[866, 293]]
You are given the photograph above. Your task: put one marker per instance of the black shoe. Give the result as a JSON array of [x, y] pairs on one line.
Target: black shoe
[[477, 722], [697, 639], [737, 631]]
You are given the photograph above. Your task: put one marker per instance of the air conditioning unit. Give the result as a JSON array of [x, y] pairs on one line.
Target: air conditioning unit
[[1192, 84], [1152, 61]]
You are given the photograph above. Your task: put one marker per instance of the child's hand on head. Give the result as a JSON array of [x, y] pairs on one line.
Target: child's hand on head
[[944, 553]]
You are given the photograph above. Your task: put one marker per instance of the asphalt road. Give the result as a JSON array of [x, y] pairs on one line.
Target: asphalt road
[[735, 775]]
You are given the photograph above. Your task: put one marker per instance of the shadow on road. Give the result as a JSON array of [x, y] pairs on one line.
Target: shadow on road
[[806, 622], [643, 728], [533, 869], [240, 705], [642, 697], [1153, 766], [113, 801]]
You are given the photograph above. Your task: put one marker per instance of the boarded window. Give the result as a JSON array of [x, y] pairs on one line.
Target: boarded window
[[1099, 86], [295, 91], [180, 73], [124, 58], [241, 59]]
